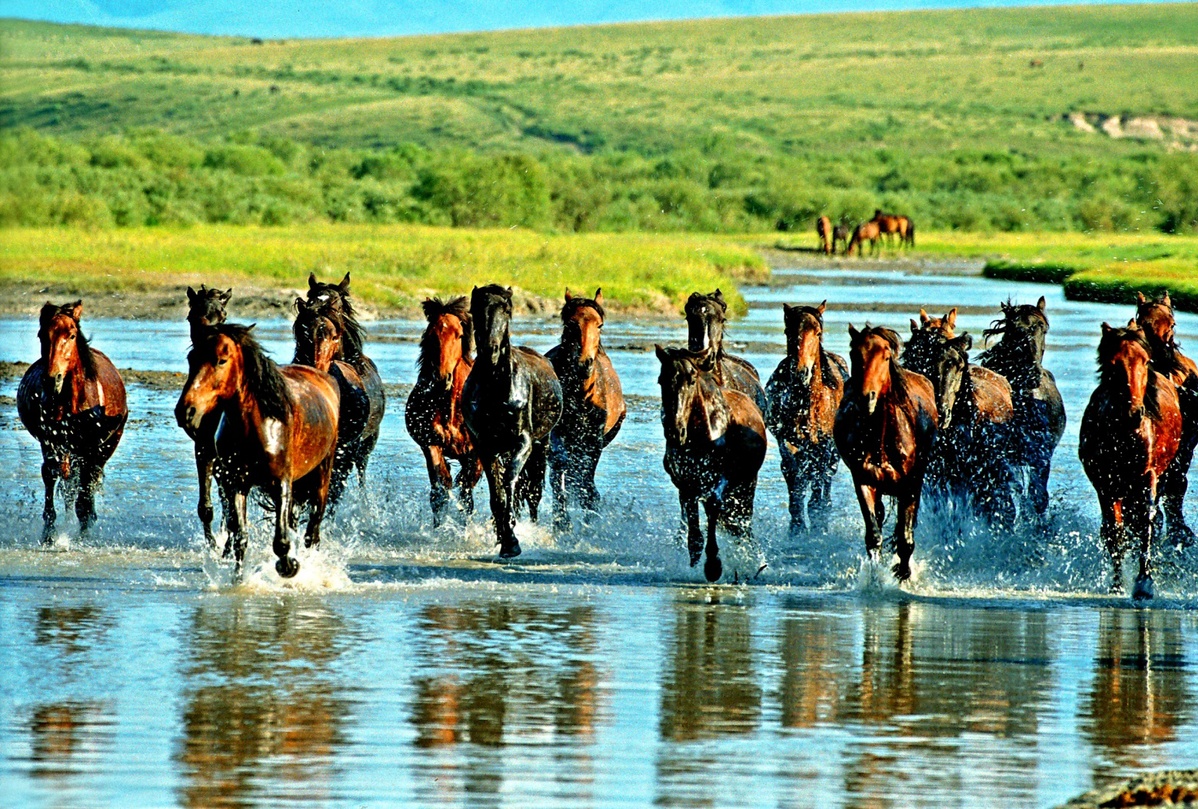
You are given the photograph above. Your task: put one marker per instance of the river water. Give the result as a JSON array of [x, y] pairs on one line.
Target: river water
[[404, 665]]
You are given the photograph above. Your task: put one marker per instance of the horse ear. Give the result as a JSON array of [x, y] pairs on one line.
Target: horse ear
[[853, 332], [951, 318], [823, 306], [1106, 327], [77, 310], [965, 341], [1140, 299], [661, 352], [718, 295], [598, 296], [191, 294], [923, 317], [226, 295], [311, 280], [1166, 300], [914, 326], [300, 304], [569, 297], [345, 283], [1042, 304], [1132, 325]]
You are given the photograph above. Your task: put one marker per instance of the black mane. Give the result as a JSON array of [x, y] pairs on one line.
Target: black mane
[[262, 376], [82, 347], [339, 308], [1014, 356]]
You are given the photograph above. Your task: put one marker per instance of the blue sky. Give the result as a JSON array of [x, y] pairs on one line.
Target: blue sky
[[334, 18]]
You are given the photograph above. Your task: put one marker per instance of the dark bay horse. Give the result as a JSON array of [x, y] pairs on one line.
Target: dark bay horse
[[319, 343], [277, 431], [434, 415], [592, 407], [72, 400], [1129, 435], [885, 430], [1155, 317], [865, 232], [705, 319], [841, 233], [511, 401], [715, 445], [205, 309], [823, 229], [804, 393], [1039, 419]]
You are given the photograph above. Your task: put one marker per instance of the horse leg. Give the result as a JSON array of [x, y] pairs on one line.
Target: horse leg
[[439, 481], [872, 512], [362, 457], [237, 524], [1141, 509], [532, 477], [285, 566], [820, 502], [559, 465], [85, 502], [590, 493], [713, 568], [1038, 490], [204, 510], [1113, 538], [50, 472], [694, 534], [904, 532], [467, 479], [795, 485], [1173, 487], [507, 478], [319, 506]]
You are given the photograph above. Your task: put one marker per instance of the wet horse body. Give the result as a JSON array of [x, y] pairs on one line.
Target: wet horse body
[[804, 393], [72, 400], [885, 430], [1130, 434], [277, 431], [715, 445], [511, 401], [593, 407], [206, 308], [433, 414], [705, 319]]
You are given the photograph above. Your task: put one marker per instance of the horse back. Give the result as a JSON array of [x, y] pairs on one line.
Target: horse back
[[315, 417], [992, 395], [744, 439], [545, 390]]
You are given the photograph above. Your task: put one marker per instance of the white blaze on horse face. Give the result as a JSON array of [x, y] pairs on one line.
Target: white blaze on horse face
[[272, 431], [220, 428]]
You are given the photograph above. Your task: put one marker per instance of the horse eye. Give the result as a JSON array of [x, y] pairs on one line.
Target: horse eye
[[222, 362]]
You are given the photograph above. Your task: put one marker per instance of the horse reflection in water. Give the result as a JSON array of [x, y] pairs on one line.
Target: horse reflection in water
[[250, 736]]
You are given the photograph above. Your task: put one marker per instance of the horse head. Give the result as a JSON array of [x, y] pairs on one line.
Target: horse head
[[1155, 317], [447, 340], [682, 377], [491, 311], [949, 373], [64, 348], [705, 316], [1123, 356], [804, 332], [328, 297], [944, 325], [334, 302], [318, 338], [582, 322], [1024, 324], [206, 308], [874, 354], [215, 369]]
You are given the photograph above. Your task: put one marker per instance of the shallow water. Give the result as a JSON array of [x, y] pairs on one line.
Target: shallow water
[[404, 665]]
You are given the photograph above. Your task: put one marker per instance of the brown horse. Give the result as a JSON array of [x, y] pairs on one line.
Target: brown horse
[[1129, 435], [906, 231], [205, 309], [804, 394], [888, 225], [885, 429], [592, 407], [72, 400], [715, 445], [319, 342], [1155, 317], [705, 319], [866, 231], [277, 431], [841, 233], [823, 229], [433, 414]]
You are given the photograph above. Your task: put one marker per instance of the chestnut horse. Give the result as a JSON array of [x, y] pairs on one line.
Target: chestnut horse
[[72, 400], [1039, 419], [592, 407], [1156, 319], [1129, 435], [885, 430], [715, 445], [433, 414], [804, 393], [205, 309], [891, 224], [319, 341], [277, 431], [866, 231], [511, 401], [705, 319], [823, 229]]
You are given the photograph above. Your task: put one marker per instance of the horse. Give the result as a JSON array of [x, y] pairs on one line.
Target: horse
[[840, 233], [823, 229], [277, 432], [1155, 317], [319, 341], [434, 415], [888, 225], [906, 232], [205, 309], [705, 318], [804, 393], [1130, 434], [72, 400], [863, 232], [885, 429], [1039, 419], [511, 401], [593, 407], [715, 445]]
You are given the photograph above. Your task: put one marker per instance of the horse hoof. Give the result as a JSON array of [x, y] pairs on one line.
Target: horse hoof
[[510, 550], [1182, 535], [901, 571], [1144, 588], [286, 567], [713, 569]]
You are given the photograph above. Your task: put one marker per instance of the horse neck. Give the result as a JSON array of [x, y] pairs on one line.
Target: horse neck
[[708, 401]]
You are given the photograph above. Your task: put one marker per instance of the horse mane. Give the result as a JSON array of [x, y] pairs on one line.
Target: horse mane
[[703, 360], [1164, 353], [82, 348], [304, 330], [1109, 344], [353, 335], [430, 347], [898, 374], [919, 350], [1013, 356], [262, 376], [574, 304]]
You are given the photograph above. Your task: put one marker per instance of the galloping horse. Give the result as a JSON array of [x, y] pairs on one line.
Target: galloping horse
[[319, 341], [1129, 435], [277, 431], [804, 393], [1039, 419], [715, 445], [1156, 319], [885, 429], [433, 414], [823, 229], [705, 318], [511, 401], [866, 231], [592, 407], [72, 400], [205, 309]]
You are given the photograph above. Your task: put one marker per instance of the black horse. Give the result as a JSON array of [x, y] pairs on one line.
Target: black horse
[[205, 311], [511, 401], [705, 318]]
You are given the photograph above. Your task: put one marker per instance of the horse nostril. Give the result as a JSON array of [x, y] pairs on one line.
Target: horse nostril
[[191, 415]]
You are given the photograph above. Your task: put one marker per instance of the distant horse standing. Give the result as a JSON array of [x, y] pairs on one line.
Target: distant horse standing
[[841, 234], [592, 407], [823, 229], [715, 445], [277, 431], [884, 430], [1129, 435], [72, 400], [705, 319], [866, 231], [1039, 419], [205, 309], [434, 415], [511, 401], [1155, 317], [804, 393]]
